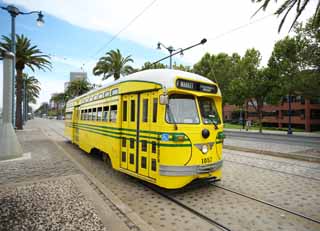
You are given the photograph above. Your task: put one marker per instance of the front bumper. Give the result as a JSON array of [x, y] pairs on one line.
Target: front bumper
[[170, 170]]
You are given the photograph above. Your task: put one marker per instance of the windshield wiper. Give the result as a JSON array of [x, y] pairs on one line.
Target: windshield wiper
[[215, 123]]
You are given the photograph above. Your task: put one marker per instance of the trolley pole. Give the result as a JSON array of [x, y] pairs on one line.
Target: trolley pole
[[173, 51]]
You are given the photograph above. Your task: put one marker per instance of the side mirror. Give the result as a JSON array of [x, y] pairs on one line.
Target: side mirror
[[164, 99]]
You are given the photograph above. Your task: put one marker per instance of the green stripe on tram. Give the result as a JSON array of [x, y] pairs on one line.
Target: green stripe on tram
[[106, 133], [100, 128], [127, 129]]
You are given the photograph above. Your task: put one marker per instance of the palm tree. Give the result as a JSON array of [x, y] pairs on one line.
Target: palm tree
[[27, 55], [33, 88], [287, 7], [113, 64], [78, 87], [59, 99]]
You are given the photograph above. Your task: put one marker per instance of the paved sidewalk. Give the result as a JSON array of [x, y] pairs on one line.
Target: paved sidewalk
[[48, 191]]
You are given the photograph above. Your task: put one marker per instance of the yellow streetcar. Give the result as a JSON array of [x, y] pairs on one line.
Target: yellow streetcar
[[162, 126]]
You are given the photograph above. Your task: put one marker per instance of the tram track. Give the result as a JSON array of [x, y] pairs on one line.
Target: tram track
[[218, 222], [188, 208], [267, 203], [273, 170], [214, 222]]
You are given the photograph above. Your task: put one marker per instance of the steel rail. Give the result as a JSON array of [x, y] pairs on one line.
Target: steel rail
[[193, 211], [267, 203]]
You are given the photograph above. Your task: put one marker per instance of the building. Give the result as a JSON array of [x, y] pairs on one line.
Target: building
[[75, 76], [78, 76], [305, 114]]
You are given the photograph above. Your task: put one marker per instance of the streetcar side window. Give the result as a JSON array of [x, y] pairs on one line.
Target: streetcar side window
[[105, 113], [94, 113], [89, 114], [113, 113], [85, 116], [124, 112], [145, 110], [155, 110], [81, 115], [99, 115], [133, 111]]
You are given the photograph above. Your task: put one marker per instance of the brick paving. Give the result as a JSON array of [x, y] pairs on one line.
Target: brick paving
[[48, 191]]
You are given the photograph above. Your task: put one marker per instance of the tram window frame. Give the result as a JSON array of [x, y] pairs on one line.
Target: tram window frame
[[145, 108], [153, 164], [125, 110], [131, 143], [85, 114], [113, 109], [144, 146], [124, 142], [105, 114], [94, 114], [89, 114], [143, 162], [133, 110], [154, 147], [99, 114], [155, 110]]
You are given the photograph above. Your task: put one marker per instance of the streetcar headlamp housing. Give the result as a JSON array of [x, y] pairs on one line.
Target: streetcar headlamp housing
[[204, 149]]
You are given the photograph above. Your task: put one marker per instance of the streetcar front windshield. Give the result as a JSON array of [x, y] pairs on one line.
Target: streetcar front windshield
[[182, 109], [208, 111]]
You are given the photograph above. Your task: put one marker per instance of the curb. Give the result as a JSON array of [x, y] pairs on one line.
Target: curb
[[277, 154], [123, 208]]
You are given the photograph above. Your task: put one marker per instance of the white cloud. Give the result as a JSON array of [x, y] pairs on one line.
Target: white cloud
[[176, 23]]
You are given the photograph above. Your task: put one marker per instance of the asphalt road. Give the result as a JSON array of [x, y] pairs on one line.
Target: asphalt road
[[276, 139]]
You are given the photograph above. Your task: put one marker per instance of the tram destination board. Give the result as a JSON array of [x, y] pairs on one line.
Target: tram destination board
[[196, 86]]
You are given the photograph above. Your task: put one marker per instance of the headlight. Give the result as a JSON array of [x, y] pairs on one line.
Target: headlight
[[204, 149]]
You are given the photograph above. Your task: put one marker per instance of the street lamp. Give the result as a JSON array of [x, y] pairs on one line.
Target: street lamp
[[171, 50], [14, 12]]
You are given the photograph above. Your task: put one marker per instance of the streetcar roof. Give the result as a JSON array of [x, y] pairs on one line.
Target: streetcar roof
[[164, 77]]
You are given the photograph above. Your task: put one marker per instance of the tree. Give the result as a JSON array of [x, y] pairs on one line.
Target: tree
[[113, 64], [181, 67], [309, 37], [27, 55], [33, 88], [286, 63], [43, 109], [59, 99], [287, 6], [253, 84], [220, 68], [149, 65], [78, 87]]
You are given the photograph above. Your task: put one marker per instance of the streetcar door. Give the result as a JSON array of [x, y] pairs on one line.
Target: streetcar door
[[75, 133], [148, 136], [128, 156]]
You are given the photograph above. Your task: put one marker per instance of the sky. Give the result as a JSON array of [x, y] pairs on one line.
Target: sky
[[77, 33]]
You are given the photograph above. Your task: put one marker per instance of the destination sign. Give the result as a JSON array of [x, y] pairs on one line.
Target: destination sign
[[196, 86]]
